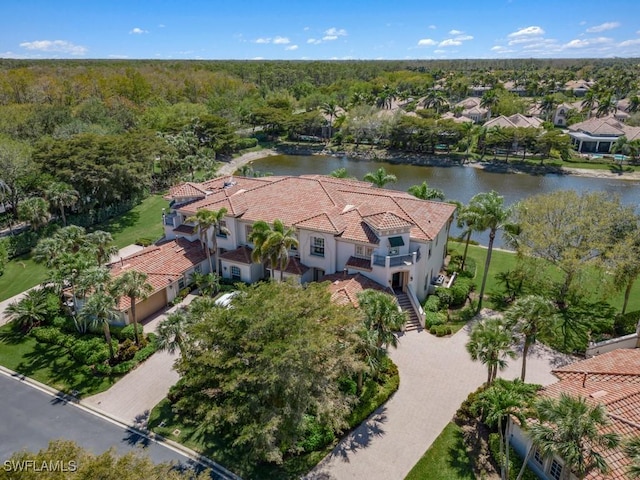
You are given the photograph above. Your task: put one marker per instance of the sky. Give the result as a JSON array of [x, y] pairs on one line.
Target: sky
[[319, 30]]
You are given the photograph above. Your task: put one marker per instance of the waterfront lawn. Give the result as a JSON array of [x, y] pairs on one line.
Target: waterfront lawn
[[142, 221], [502, 261], [20, 274], [446, 458], [48, 364]]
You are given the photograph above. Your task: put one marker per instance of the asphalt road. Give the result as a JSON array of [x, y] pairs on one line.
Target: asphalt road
[[30, 418]]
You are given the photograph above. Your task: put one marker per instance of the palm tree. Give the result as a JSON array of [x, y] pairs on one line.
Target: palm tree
[[5, 194], [205, 220], [489, 214], [62, 195], [424, 192], [100, 308], [101, 243], [380, 177], [626, 266], [468, 129], [466, 220], [133, 284], [496, 404], [490, 342], [547, 106], [572, 429], [529, 317], [92, 279], [382, 315], [606, 105], [171, 333], [632, 450], [435, 99], [30, 311], [207, 283], [589, 102], [34, 210], [489, 100], [339, 173], [330, 108], [273, 244]]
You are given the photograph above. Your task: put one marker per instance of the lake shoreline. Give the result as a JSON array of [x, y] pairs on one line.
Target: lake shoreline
[[427, 160]]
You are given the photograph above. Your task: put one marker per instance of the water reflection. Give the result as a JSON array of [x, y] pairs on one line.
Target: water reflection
[[458, 182]]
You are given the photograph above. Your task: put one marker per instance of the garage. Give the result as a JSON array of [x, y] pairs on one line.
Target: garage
[[151, 305]]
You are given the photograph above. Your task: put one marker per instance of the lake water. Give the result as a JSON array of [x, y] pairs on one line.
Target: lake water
[[458, 182]]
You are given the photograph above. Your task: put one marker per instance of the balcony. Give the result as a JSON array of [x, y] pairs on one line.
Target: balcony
[[396, 260], [168, 220]]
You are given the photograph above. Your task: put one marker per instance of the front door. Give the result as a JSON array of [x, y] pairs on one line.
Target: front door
[[396, 280]]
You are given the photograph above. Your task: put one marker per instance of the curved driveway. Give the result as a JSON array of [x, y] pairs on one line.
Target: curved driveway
[[436, 375]]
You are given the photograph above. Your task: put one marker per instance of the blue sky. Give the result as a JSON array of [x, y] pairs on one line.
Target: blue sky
[[319, 30]]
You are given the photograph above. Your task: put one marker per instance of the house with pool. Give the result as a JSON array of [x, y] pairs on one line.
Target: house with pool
[[343, 226]]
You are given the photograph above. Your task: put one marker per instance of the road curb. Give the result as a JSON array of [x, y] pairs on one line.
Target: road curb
[[218, 469]]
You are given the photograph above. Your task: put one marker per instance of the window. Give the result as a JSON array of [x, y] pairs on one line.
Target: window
[[220, 229], [317, 246], [247, 231], [235, 273], [197, 268], [556, 469], [537, 457], [181, 284], [363, 252]]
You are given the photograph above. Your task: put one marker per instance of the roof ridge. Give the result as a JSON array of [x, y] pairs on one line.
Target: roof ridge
[[624, 420]]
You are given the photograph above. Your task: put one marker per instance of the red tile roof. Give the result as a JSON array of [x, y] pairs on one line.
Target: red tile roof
[[187, 190], [613, 380], [344, 289], [359, 263], [323, 203], [294, 267], [241, 254], [387, 221], [163, 264]]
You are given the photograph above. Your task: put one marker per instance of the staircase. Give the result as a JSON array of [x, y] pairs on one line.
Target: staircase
[[405, 305]]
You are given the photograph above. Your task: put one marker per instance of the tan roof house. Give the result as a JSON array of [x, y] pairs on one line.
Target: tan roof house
[[342, 226], [470, 108], [514, 121], [597, 135], [611, 379]]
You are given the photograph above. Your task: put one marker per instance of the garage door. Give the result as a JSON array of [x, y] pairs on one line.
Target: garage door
[[151, 305]]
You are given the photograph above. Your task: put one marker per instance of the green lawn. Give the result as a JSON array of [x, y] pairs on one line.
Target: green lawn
[[144, 220], [48, 364], [502, 261], [20, 274], [446, 459]]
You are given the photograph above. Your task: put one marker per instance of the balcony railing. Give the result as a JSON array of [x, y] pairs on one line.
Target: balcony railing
[[396, 260]]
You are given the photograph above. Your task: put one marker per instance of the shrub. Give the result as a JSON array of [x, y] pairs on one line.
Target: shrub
[[460, 291], [432, 303], [465, 314], [244, 143], [316, 435], [102, 369], [144, 241], [123, 367], [445, 296], [433, 330], [47, 335], [89, 351], [144, 353], [627, 323], [515, 461], [348, 385], [127, 332], [466, 412], [432, 319], [126, 350]]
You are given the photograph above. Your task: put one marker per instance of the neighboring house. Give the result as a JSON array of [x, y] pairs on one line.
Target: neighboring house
[[479, 90], [168, 267], [470, 108], [514, 121], [560, 114], [515, 88], [345, 288], [458, 118], [342, 226], [611, 379], [597, 135], [578, 87]]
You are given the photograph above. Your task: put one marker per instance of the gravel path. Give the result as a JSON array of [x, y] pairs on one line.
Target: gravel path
[[228, 168]]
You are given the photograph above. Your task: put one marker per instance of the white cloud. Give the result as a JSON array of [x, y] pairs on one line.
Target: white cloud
[[137, 31], [281, 41], [629, 43], [463, 38], [336, 32], [439, 51], [455, 32], [426, 42], [603, 27], [527, 32], [328, 38], [314, 41], [497, 48], [588, 42], [61, 46], [450, 42], [291, 47], [431, 27], [257, 58], [263, 40], [115, 56], [161, 25]]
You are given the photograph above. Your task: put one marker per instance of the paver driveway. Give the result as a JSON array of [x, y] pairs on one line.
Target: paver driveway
[[436, 375]]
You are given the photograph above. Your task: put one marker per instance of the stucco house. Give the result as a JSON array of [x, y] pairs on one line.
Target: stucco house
[[611, 379], [514, 121], [470, 108], [342, 226], [597, 135], [168, 266]]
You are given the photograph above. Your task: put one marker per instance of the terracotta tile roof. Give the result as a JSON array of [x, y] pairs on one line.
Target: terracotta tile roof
[[344, 289], [359, 263], [613, 380], [324, 203], [387, 221], [187, 190], [163, 264], [600, 126], [239, 255], [514, 121], [294, 267]]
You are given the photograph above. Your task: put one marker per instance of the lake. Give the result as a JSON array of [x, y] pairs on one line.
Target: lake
[[458, 182]]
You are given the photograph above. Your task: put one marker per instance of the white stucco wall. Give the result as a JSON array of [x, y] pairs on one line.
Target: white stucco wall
[[326, 263]]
